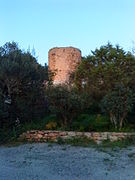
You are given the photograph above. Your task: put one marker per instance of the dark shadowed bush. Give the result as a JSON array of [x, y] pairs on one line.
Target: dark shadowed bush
[[86, 122], [66, 103], [21, 86]]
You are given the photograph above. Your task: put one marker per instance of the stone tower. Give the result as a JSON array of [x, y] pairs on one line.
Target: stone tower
[[63, 61]]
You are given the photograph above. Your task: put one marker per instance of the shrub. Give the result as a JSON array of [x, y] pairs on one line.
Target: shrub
[[51, 125], [65, 102], [86, 122], [117, 104], [21, 82]]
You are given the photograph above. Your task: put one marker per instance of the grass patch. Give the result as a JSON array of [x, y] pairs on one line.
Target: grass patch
[[120, 143], [82, 142], [86, 142], [38, 124], [79, 141]]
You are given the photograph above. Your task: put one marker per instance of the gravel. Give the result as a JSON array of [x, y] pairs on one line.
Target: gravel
[[42, 161]]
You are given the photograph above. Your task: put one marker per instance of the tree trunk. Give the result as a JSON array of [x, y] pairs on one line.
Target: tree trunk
[[113, 120], [64, 120], [122, 119]]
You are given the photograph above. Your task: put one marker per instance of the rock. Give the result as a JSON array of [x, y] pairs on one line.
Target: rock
[[71, 134], [98, 137]]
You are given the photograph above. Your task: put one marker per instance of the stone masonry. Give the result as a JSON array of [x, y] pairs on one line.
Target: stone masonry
[[62, 62], [45, 135]]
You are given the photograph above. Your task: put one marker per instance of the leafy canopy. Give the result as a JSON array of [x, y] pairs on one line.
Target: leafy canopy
[[103, 69], [21, 82]]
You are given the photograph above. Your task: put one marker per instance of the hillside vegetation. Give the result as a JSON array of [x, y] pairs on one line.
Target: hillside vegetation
[[101, 96]]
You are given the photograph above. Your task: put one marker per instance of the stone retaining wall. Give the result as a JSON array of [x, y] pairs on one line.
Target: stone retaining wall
[[44, 136]]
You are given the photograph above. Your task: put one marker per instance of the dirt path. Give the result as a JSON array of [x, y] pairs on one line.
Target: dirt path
[[55, 162]]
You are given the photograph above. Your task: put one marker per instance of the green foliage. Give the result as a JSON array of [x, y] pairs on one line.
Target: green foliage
[[86, 142], [100, 72], [3, 111], [8, 135], [107, 74], [37, 124], [78, 141], [118, 103], [86, 122], [121, 143], [65, 102], [21, 85]]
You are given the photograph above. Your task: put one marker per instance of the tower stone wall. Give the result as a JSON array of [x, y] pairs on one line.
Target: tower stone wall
[[62, 62]]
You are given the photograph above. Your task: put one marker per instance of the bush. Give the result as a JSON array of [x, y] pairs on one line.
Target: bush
[[86, 122], [38, 124], [118, 103], [21, 82], [65, 102], [51, 125]]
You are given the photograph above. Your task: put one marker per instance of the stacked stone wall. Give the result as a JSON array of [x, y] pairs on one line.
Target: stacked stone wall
[[44, 136]]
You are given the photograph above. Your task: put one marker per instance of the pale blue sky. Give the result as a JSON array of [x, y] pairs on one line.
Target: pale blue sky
[[85, 24]]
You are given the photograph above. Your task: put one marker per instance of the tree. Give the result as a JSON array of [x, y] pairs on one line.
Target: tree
[[118, 103], [65, 102], [21, 82], [103, 69]]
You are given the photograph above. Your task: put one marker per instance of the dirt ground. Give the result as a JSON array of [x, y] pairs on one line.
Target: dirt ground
[[43, 161]]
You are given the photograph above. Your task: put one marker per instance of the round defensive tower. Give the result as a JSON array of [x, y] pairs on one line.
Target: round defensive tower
[[63, 61]]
